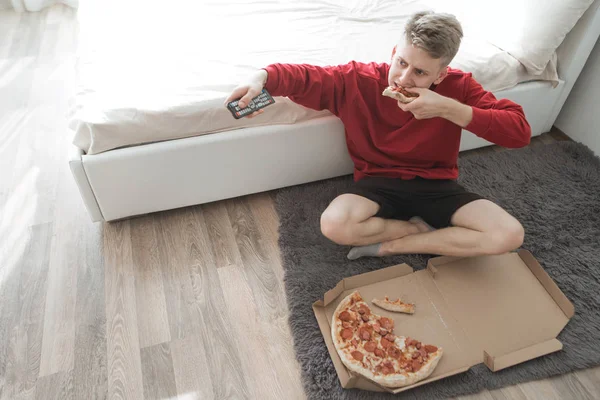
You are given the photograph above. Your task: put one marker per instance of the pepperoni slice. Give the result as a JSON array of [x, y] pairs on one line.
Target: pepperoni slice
[[364, 334], [385, 343], [379, 353], [423, 353], [357, 355], [370, 346], [394, 352], [387, 371], [345, 316], [386, 323], [390, 337], [363, 309], [430, 349], [416, 365], [376, 327], [346, 333]]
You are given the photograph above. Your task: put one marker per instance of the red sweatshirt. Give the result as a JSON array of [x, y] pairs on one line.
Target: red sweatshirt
[[382, 139]]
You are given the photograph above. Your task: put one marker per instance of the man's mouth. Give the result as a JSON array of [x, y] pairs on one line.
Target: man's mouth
[[396, 84]]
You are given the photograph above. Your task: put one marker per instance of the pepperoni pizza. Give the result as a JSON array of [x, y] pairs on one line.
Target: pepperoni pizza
[[367, 345]]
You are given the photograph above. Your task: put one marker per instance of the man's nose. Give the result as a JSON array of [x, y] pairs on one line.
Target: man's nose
[[405, 79]]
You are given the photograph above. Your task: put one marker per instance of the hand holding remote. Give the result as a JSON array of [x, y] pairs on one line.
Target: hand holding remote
[[246, 92]]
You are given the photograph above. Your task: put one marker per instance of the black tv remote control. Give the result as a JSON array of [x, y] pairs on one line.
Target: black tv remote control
[[263, 100]]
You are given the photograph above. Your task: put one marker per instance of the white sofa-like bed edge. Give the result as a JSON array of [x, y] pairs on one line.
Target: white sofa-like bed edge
[[165, 175]]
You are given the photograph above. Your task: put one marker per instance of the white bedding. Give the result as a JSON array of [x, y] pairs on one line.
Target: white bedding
[[151, 71]]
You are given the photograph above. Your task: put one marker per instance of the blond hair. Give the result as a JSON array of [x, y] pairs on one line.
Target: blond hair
[[439, 34]]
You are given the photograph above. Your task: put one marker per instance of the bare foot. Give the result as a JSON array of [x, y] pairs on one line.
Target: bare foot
[[421, 225]]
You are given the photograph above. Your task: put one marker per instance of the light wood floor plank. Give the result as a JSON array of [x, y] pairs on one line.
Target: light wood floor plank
[[263, 210], [183, 316], [10, 276], [569, 385], [483, 395], [256, 338], [195, 300], [192, 380], [123, 362], [539, 390], [221, 234], [26, 330], [158, 375], [590, 378], [508, 393], [259, 267], [58, 386], [41, 157], [67, 254], [221, 346], [153, 324], [90, 376]]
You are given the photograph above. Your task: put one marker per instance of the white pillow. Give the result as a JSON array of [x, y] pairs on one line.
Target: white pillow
[[529, 30]]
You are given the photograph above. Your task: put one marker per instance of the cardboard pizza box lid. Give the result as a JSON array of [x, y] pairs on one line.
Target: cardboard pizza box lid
[[500, 310]]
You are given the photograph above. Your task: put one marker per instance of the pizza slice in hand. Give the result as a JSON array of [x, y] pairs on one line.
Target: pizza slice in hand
[[394, 305], [400, 94]]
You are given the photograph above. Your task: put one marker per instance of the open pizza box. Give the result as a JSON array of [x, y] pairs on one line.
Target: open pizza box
[[500, 310]]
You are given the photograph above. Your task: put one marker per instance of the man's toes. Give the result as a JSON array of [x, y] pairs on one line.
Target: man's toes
[[421, 224]]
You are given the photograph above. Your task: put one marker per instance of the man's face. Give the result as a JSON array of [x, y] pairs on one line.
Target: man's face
[[413, 67]]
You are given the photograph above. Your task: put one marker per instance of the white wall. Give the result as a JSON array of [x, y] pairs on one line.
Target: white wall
[[580, 116], [5, 4]]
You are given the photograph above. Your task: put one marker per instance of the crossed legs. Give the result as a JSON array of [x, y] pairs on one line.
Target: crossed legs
[[480, 227]]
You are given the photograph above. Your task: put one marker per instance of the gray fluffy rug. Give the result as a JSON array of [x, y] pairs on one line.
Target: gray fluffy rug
[[554, 190]]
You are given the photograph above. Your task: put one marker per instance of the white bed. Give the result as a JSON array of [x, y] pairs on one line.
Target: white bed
[[150, 130]]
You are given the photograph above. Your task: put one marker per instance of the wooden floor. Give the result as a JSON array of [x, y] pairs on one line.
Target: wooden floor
[[185, 304]]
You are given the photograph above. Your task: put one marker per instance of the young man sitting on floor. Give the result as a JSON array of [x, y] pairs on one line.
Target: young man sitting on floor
[[405, 197]]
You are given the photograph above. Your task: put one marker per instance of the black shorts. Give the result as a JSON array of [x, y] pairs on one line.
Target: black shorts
[[434, 200]]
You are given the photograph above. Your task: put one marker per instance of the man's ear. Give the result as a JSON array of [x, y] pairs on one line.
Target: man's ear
[[441, 76], [394, 51]]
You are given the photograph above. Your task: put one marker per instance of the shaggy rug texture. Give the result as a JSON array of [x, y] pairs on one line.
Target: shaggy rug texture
[[554, 190]]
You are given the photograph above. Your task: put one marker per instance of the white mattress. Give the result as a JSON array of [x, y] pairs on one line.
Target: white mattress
[[151, 71]]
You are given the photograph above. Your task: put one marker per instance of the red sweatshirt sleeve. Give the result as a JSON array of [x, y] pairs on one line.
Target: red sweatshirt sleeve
[[314, 87], [501, 121]]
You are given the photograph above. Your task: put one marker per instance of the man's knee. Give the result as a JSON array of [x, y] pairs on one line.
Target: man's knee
[[506, 238], [335, 226]]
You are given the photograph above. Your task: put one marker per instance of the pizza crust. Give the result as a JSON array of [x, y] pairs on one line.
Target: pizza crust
[[406, 378], [389, 92], [394, 305], [344, 350]]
